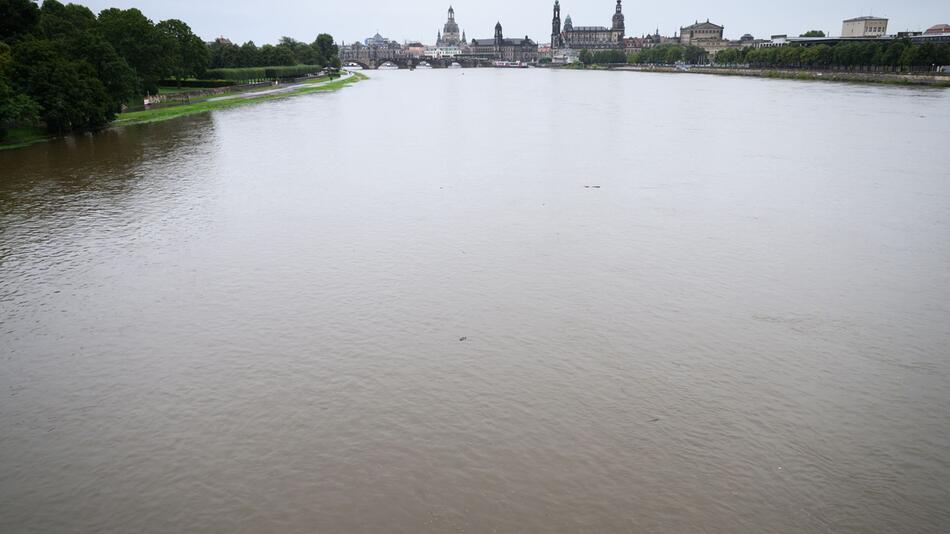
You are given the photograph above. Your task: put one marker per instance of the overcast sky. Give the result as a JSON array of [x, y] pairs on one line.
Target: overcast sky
[[350, 20]]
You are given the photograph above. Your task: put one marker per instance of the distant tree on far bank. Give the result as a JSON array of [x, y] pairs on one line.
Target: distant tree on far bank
[[15, 107], [322, 52], [602, 57], [813, 33], [900, 55], [668, 54]]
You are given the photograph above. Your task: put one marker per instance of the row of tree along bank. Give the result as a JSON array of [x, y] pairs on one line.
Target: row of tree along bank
[[288, 52], [896, 56], [63, 68]]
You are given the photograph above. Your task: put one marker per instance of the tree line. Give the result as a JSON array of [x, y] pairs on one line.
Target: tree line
[[288, 52], [668, 54], [66, 69], [665, 54], [896, 55]]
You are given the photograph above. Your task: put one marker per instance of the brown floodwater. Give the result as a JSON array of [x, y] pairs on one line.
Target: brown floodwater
[[486, 301]]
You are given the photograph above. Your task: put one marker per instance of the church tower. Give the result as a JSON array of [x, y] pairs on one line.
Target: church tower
[[618, 29], [450, 33], [556, 26]]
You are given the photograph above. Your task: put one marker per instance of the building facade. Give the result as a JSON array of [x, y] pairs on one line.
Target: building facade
[[588, 37], [705, 35], [450, 35], [937, 34], [637, 44], [377, 40], [864, 27], [501, 49]]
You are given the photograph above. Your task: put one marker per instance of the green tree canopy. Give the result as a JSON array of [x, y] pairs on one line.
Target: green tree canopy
[[14, 106], [188, 56], [17, 18], [137, 40]]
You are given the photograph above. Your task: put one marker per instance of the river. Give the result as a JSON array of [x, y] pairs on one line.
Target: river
[[486, 301]]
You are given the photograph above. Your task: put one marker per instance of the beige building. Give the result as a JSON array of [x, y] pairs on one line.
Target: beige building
[[705, 35], [864, 27]]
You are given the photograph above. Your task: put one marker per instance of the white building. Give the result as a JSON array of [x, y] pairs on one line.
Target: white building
[[439, 52], [864, 27]]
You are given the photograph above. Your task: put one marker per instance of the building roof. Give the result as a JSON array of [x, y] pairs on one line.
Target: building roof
[[704, 25], [859, 19], [939, 28], [590, 29], [491, 42]]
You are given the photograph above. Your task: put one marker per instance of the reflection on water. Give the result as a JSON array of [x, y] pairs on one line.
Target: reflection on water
[[517, 301]]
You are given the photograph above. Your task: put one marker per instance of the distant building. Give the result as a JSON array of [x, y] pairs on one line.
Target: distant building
[[440, 52], [705, 35], [450, 36], [376, 40], [588, 37], [935, 34], [864, 27], [501, 49], [416, 49], [637, 44], [701, 31], [775, 41]]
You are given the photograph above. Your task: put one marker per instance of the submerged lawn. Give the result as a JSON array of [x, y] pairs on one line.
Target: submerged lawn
[[163, 114], [21, 137]]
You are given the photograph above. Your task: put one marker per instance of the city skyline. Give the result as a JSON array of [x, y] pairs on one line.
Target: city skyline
[[420, 20]]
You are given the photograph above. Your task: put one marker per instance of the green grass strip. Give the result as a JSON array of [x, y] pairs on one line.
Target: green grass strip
[[21, 137], [164, 114]]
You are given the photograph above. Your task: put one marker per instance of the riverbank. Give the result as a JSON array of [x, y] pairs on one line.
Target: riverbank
[[230, 101], [931, 80], [22, 137]]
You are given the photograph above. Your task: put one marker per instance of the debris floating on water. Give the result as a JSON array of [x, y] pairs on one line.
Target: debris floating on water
[[463, 339]]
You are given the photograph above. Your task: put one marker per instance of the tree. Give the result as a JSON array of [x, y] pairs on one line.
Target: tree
[[674, 54], [893, 53], [68, 92], [586, 57], [694, 55], [137, 40], [326, 52], [15, 107], [17, 18], [188, 56], [224, 54], [813, 33], [248, 56], [729, 56], [276, 56]]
